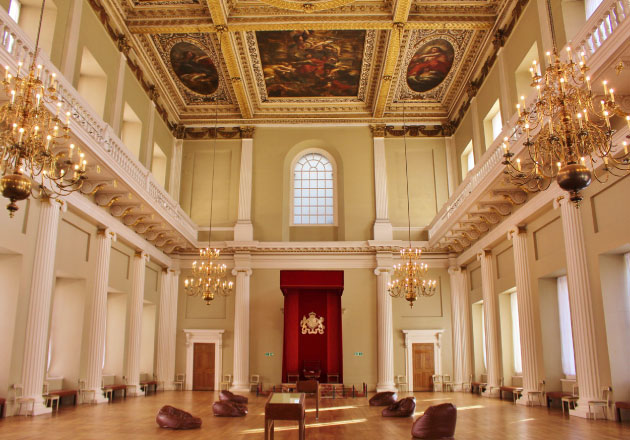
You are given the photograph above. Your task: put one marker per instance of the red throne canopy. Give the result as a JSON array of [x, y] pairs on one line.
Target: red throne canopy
[[317, 292]]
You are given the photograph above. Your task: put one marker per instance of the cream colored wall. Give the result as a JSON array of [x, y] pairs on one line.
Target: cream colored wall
[[115, 335], [10, 267], [432, 313], [428, 186], [507, 345], [196, 182], [273, 152], [463, 136], [477, 330], [148, 338]]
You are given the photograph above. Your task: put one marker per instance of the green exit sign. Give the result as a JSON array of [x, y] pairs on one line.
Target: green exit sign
[[358, 353], [269, 353]]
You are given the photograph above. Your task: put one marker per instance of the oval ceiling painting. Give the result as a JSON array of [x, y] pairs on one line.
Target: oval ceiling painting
[[194, 68], [430, 65]]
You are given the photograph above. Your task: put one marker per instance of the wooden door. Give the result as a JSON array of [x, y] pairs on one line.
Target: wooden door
[[423, 367], [203, 367]]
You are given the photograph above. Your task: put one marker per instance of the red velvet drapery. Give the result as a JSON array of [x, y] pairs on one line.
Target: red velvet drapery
[[305, 292]]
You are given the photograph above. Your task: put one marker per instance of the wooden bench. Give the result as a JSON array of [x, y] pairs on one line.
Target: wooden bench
[[115, 388], [619, 406], [64, 393], [479, 386], [147, 384], [512, 390], [557, 395]]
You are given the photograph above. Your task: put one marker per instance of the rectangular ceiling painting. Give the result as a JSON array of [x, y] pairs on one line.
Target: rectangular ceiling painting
[[324, 63]]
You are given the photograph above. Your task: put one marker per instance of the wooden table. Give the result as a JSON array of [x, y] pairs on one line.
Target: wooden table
[[285, 406]]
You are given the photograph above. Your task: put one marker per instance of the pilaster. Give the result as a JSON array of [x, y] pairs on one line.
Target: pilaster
[[382, 226], [492, 326], [172, 333], [243, 230], [451, 164], [479, 144], [97, 319], [164, 328], [385, 347], [71, 42], [175, 177], [462, 326], [504, 87], [116, 113], [243, 272]]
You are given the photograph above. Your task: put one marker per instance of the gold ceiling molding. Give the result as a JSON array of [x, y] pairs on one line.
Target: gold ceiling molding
[[308, 7], [396, 38]]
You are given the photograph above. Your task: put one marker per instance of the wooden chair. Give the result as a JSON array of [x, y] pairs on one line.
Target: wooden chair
[[604, 402], [447, 384], [540, 393], [437, 382], [20, 400], [310, 387], [83, 392], [50, 398], [107, 392], [570, 400], [180, 380], [493, 388], [226, 382], [467, 386], [254, 381], [401, 383]]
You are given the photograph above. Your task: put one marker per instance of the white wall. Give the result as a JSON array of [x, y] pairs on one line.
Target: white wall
[[115, 338], [147, 342], [10, 267], [66, 330]]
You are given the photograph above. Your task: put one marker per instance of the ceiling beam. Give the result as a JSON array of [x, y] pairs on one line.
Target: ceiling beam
[[219, 19], [482, 23]]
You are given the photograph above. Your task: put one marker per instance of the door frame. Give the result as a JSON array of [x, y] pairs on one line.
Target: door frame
[[422, 337], [204, 336]]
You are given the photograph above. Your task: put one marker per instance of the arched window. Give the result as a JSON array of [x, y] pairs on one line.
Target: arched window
[[314, 200]]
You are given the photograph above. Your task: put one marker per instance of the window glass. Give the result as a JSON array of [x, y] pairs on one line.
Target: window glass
[[313, 186]]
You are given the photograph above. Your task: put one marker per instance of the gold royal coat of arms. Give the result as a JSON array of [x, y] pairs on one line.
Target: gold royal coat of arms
[[312, 325]]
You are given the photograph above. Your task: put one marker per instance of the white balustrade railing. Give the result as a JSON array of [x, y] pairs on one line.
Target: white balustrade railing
[[604, 21], [98, 138]]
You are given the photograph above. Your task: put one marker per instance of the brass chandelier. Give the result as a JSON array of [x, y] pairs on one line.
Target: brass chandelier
[[209, 278], [408, 280], [568, 133], [32, 139]]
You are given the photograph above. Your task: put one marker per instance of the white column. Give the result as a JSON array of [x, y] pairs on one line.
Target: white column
[[71, 42], [148, 152], [382, 225], [243, 230], [175, 177], [460, 306], [117, 109], [97, 320], [241, 329], [528, 316], [136, 301], [491, 318], [582, 319], [385, 378], [504, 87], [164, 327], [38, 315], [172, 336], [451, 164]]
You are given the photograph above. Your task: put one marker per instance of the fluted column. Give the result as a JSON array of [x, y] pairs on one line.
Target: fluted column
[[492, 327], [164, 327], [243, 230], [241, 329], [134, 337], [462, 330], [385, 378], [97, 319], [382, 225], [528, 315], [175, 178], [38, 315], [172, 334], [582, 319]]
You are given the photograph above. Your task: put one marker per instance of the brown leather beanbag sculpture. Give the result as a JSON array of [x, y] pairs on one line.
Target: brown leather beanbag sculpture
[[438, 422], [403, 408], [170, 417], [227, 408], [225, 395], [384, 398]]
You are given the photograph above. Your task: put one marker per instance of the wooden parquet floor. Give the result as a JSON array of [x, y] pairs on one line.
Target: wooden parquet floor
[[477, 418]]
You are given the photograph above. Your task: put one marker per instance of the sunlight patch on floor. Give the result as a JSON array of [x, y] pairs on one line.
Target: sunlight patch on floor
[[462, 408], [308, 425], [435, 400], [332, 408]]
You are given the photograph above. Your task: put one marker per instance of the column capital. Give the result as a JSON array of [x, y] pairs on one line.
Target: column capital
[[559, 201], [247, 131], [380, 270], [106, 232], [483, 253], [175, 272], [247, 270], [516, 230], [454, 270], [57, 203], [141, 254]]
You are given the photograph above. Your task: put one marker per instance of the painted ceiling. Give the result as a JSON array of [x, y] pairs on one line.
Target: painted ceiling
[[279, 61]]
